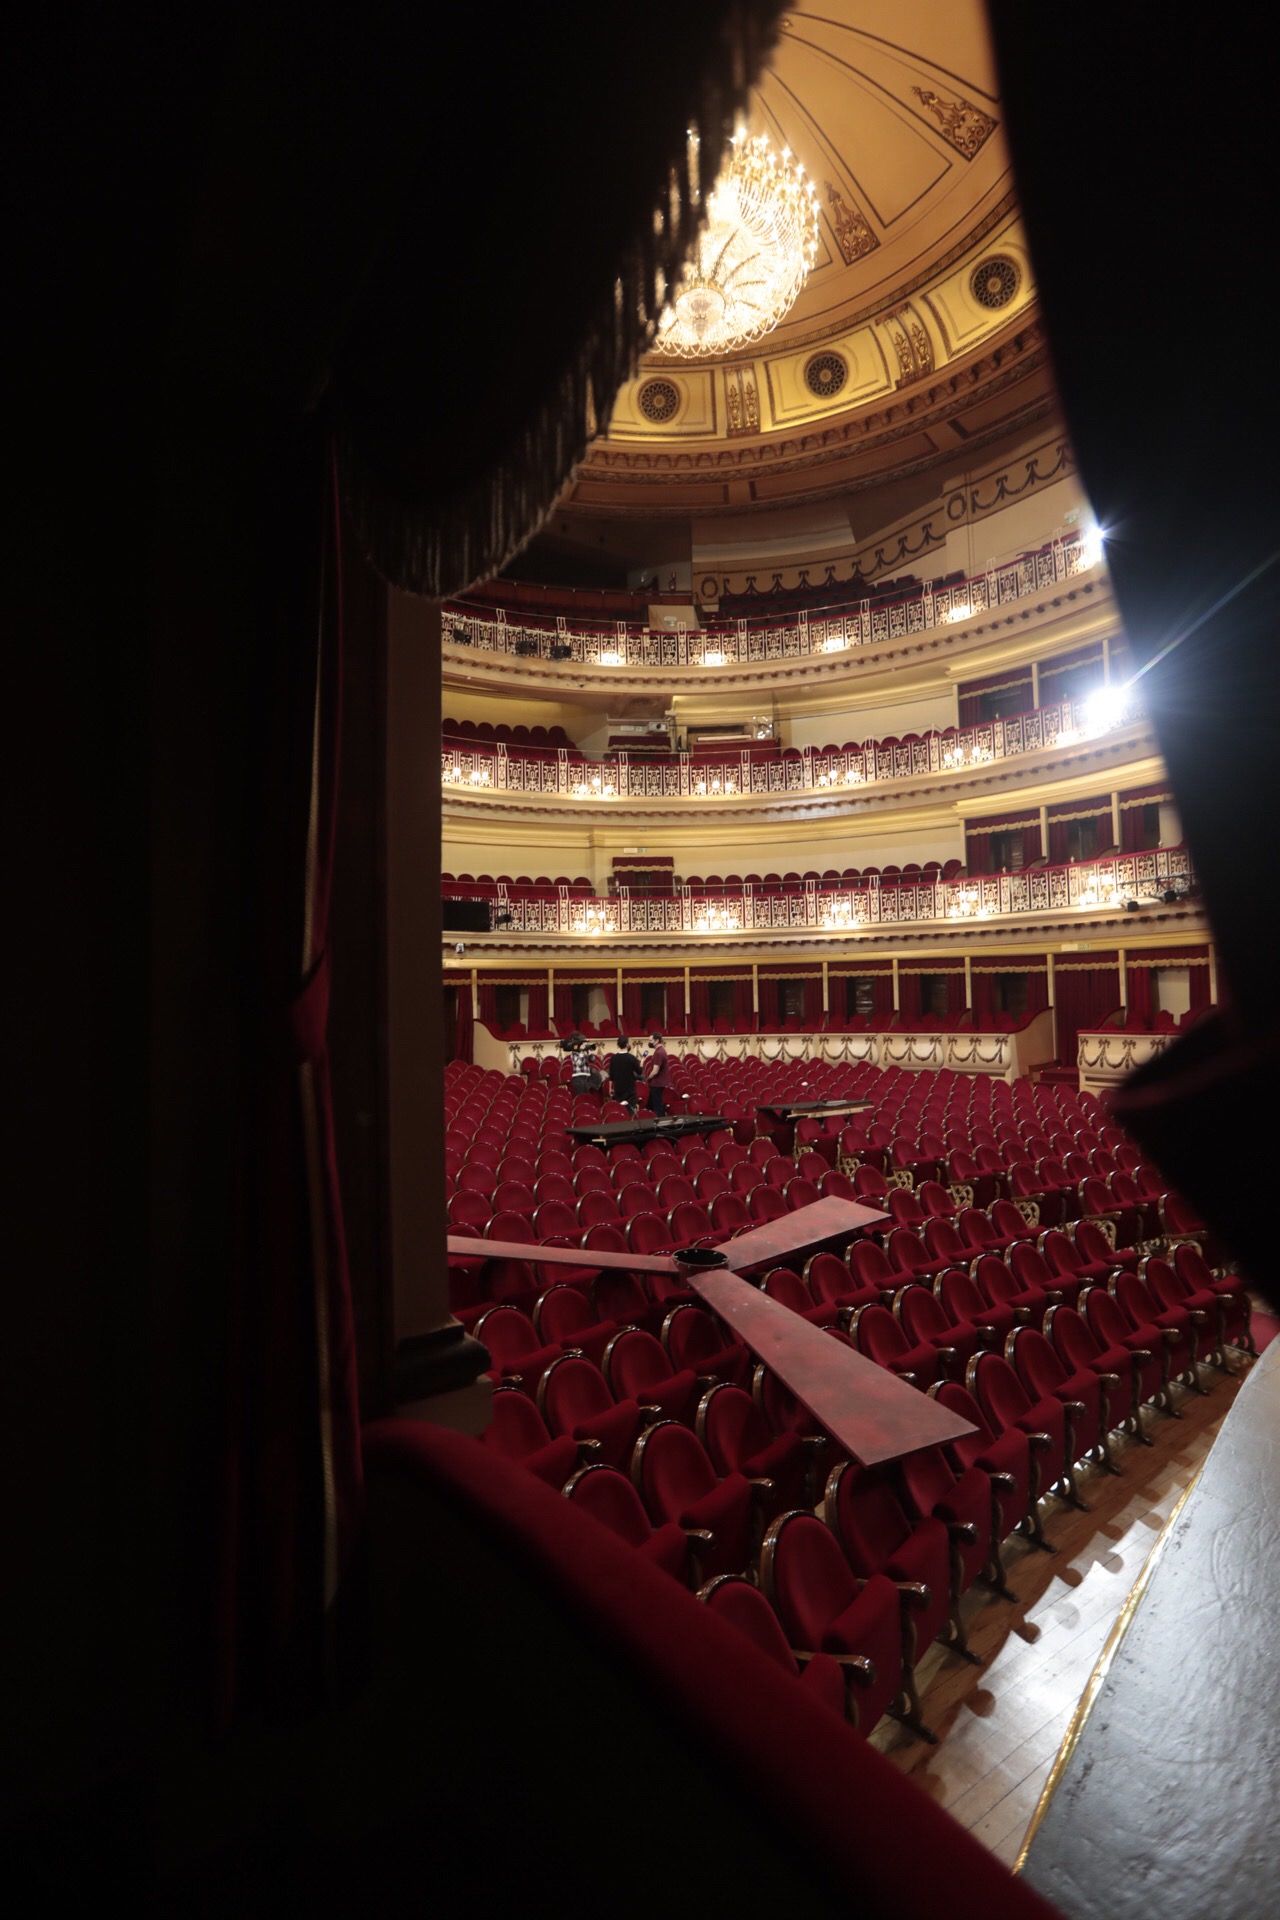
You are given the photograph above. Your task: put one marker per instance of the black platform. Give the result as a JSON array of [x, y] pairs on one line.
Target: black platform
[[615, 1133]]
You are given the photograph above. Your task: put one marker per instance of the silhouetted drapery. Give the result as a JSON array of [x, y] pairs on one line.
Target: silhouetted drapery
[[1139, 999], [1199, 611]]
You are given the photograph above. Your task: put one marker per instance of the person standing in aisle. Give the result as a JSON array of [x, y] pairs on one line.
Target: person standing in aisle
[[656, 1076], [624, 1071]]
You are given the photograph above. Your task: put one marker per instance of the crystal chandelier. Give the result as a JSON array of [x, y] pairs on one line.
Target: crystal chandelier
[[752, 257]]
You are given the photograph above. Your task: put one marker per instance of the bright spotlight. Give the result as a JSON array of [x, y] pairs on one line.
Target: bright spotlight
[[1104, 709], [1091, 542]]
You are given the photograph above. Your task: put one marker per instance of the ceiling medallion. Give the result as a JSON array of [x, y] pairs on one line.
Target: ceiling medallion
[[994, 282], [751, 259], [659, 401], [825, 374]]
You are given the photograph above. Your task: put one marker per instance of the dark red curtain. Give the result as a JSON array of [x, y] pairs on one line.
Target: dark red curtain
[[977, 852], [537, 1023], [743, 1016], [1031, 847], [1083, 996], [984, 996], [1132, 836], [1199, 988], [1139, 995], [487, 996], [909, 995], [291, 1472], [460, 1032], [563, 1007], [770, 1003], [632, 1006], [1058, 830], [699, 1005]]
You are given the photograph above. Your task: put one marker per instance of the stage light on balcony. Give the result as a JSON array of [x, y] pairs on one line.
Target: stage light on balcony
[[1091, 544], [834, 644], [713, 659], [611, 658], [1104, 708], [959, 610]]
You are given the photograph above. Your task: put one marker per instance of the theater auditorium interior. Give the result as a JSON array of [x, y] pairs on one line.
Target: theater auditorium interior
[[806, 472]]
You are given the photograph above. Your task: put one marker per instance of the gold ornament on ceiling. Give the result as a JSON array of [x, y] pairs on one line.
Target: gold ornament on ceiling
[[965, 127], [752, 258], [854, 236], [825, 374], [659, 401], [994, 282]]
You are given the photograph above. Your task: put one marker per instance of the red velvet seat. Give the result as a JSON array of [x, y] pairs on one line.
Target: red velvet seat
[[743, 1607], [875, 1333], [1031, 1270], [519, 1354], [766, 1203], [1170, 1293], [1006, 1403], [907, 1252], [925, 1320], [1078, 1346], [1191, 1266], [823, 1607], [870, 1266], [695, 1338], [648, 1233], [1142, 1310], [638, 1367], [517, 1431], [999, 1288], [1043, 1371], [1004, 1456], [1110, 1325], [833, 1288], [965, 1504], [678, 1484], [868, 1520], [739, 1439], [574, 1398], [609, 1497], [729, 1215], [564, 1315], [1093, 1246]]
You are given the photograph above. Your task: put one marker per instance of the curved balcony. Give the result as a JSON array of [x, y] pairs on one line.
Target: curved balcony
[[496, 771], [874, 622], [828, 906]]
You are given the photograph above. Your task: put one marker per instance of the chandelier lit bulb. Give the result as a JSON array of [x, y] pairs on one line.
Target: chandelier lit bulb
[[751, 259]]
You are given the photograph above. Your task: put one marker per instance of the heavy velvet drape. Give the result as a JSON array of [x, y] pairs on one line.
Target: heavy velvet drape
[[1083, 995]]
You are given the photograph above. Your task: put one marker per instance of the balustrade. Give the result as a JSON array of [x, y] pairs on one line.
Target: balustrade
[[561, 773], [745, 643], [825, 907]]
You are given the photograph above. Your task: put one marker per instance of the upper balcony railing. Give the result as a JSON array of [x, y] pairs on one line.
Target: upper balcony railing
[[818, 906], [868, 622], [793, 771]]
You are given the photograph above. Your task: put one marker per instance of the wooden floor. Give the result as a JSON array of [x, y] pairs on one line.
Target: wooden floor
[[999, 1725]]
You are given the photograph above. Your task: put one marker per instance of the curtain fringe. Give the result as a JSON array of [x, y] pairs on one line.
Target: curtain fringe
[[417, 544]]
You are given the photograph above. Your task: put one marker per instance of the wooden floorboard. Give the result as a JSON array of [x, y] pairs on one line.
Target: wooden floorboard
[[1000, 1724]]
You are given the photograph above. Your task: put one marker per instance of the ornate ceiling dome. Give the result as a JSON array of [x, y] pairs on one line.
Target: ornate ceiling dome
[[920, 304]]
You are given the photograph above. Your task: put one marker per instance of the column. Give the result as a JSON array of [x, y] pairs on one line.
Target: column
[[688, 1003], [1106, 660], [826, 992], [437, 1364], [1035, 683], [1115, 819], [755, 992], [1122, 970], [897, 1003], [618, 1002], [968, 980], [1213, 975], [1044, 832], [1053, 1000], [475, 993]]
